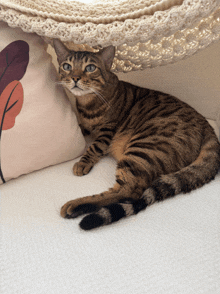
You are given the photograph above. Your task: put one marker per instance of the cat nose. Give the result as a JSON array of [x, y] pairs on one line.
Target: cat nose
[[76, 78]]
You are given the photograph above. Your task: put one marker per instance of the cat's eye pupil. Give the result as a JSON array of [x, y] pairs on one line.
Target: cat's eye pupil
[[90, 68], [67, 66]]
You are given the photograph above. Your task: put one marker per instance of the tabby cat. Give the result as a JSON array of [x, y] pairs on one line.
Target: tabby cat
[[163, 147]]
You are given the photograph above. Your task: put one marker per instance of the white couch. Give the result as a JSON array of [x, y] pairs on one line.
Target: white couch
[[171, 247]]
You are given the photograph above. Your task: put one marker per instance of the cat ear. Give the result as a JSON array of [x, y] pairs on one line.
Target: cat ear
[[107, 54], [61, 50]]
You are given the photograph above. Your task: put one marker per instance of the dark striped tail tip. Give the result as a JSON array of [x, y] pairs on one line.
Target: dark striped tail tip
[[91, 221], [112, 213]]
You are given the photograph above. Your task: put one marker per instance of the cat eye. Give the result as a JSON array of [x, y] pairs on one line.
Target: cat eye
[[90, 68], [67, 66]]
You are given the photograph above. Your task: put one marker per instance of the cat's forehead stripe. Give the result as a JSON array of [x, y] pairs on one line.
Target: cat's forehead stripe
[[92, 60], [81, 55]]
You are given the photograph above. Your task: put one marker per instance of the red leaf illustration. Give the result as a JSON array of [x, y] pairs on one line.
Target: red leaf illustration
[[11, 101]]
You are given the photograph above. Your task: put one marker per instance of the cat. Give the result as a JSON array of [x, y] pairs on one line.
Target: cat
[[163, 147]]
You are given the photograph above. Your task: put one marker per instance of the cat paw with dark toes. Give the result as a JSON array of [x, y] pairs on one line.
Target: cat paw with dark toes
[[70, 210]]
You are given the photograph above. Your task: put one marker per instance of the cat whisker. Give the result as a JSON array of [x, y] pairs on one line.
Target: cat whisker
[[100, 96], [61, 83], [95, 91]]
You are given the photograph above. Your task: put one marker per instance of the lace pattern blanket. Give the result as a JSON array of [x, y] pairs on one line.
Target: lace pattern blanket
[[147, 33]]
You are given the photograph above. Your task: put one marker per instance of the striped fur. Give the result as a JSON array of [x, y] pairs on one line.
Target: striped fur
[[163, 147]]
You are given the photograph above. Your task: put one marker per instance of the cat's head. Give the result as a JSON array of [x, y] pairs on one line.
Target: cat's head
[[84, 72]]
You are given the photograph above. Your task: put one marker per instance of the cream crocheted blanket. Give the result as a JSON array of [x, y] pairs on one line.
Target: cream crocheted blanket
[[147, 33]]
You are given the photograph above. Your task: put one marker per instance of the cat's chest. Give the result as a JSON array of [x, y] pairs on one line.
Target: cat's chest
[[91, 124]]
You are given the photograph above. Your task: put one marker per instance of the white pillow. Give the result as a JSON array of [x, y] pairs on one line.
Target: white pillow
[[45, 130]]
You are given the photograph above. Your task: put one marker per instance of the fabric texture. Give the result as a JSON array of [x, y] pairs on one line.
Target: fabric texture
[[37, 125], [147, 33]]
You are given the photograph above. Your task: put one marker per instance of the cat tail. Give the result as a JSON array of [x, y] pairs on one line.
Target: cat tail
[[195, 175]]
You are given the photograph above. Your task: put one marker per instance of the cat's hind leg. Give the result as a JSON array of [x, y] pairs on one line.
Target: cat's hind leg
[[131, 181], [88, 204]]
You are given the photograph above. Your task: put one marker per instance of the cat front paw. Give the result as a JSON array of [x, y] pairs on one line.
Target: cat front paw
[[72, 209], [82, 168]]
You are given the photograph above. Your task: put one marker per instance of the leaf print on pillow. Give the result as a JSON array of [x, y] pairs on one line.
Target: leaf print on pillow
[[13, 62], [11, 101]]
